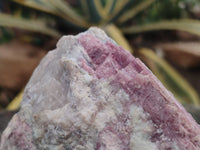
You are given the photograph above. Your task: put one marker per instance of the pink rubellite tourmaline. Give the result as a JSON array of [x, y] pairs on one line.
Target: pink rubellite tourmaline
[[91, 94]]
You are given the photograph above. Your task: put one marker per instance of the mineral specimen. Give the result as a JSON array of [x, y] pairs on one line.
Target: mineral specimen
[[91, 94]]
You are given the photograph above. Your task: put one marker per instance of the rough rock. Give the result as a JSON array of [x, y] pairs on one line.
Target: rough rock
[[91, 94]]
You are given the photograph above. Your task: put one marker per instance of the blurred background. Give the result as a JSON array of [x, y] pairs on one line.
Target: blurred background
[[164, 34]]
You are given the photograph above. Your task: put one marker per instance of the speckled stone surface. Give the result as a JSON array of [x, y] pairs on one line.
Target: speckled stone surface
[[91, 94]]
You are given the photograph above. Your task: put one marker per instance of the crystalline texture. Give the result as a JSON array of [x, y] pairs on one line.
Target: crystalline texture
[[91, 94]]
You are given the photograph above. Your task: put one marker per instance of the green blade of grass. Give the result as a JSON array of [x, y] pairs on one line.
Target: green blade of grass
[[172, 80], [116, 34], [134, 11], [31, 25], [188, 25]]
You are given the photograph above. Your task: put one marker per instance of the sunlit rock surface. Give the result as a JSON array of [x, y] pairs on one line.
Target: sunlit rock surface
[[91, 94]]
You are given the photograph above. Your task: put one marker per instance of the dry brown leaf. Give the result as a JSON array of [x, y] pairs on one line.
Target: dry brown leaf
[[184, 54], [17, 62]]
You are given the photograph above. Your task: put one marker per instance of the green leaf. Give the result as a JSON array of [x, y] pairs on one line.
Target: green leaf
[[110, 5], [119, 6], [5, 35], [41, 6], [15, 103], [172, 80], [134, 11], [56, 8], [69, 14], [84, 6], [27, 24], [118, 9], [96, 10], [116, 34], [188, 25]]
